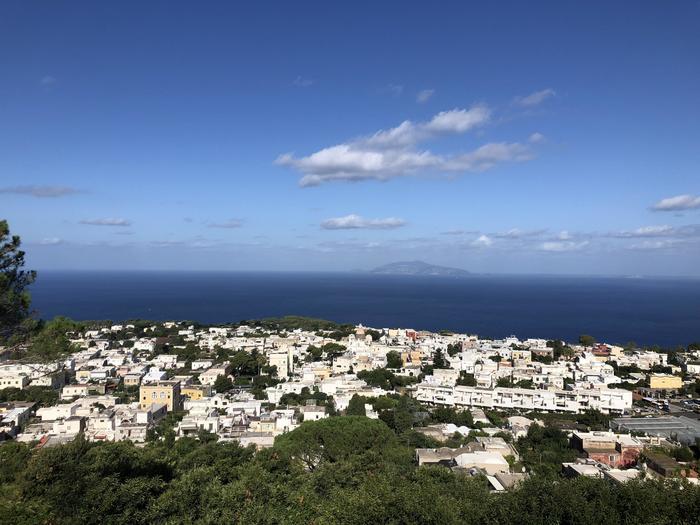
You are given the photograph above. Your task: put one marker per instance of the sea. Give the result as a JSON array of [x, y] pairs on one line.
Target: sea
[[648, 311]]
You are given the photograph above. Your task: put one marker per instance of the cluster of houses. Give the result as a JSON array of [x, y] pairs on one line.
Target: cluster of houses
[[118, 386]]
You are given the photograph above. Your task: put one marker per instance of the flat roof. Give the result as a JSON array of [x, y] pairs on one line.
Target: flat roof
[[681, 428]]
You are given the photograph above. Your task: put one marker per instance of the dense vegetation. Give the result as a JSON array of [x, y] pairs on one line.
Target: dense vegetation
[[14, 282], [349, 470], [294, 322]]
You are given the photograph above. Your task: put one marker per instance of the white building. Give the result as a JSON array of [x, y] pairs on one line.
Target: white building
[[20, 381], [313, 413], [283, 360], [604, 400]]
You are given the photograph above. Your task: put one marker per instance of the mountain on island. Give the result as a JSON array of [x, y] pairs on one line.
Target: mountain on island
[[419, 268]]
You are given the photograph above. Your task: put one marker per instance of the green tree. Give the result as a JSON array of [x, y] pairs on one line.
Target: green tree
[[333, 350], [51, 342], [374, 334], [15, 300], [352, 470], [44, 396], [594, 419], [504, 382], [13, 458], [466, 379], [450, 415], [454, 349], [223, 384], [682, 454], [356, 406], [393, 359], [247, 363], [439, 359], [586, 340], [385, 379], [334, 439], [544, 449], [314, 353], [189, 353]]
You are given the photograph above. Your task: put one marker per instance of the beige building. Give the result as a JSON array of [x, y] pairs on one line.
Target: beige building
[[14, 381], [163, 393], [665, 381], [411, 357], [209, 377], [131, 380], [196, 391], [283, 360]]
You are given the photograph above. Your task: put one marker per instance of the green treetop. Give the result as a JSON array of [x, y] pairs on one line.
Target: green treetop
[[14, 281]]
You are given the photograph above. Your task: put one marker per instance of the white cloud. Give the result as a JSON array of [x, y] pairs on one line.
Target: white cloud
[[563, 246], [346, 163], [517, 233], [108, 221], [424, 95], [677, 203], [455, 121], [392, 153], [537, 138], [393, 89], [50, 241], [302, 82], [356, 222], [228, 225], [482, 241], [654, 245], [166, 244], [405, 134], [487, 156], [41, 191], [534, 99], [647, 231], [458, 120]]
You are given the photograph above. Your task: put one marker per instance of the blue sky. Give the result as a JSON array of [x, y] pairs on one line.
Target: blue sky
[[544, 137]]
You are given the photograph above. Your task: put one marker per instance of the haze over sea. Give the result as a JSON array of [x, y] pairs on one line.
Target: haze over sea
[[648, 311]]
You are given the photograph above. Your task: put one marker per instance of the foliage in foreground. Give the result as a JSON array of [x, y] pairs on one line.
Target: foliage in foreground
[[349, 470], [14, 283]]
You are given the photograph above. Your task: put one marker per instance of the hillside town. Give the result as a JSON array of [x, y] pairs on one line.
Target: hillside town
[[476, 404]]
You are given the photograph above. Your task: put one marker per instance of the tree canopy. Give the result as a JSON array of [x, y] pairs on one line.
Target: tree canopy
[[341, 470], [15, 300], [51, 342], [334, 439], [393, 359]]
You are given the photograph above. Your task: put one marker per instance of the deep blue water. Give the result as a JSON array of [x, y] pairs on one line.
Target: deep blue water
[[648, 311]]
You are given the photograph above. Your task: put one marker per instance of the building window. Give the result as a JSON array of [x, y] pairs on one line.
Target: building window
[[154, 395]]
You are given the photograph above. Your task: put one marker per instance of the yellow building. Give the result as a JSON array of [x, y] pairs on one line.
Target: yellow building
[[132, 380], [163, 393], [196, 391], [665, 381], [411, 357], [521, 355], [82, 376]]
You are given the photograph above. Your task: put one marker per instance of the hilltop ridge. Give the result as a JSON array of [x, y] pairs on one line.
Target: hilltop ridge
[[419, 268]]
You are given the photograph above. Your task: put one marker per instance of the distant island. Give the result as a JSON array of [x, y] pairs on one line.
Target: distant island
[[419, 268]]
